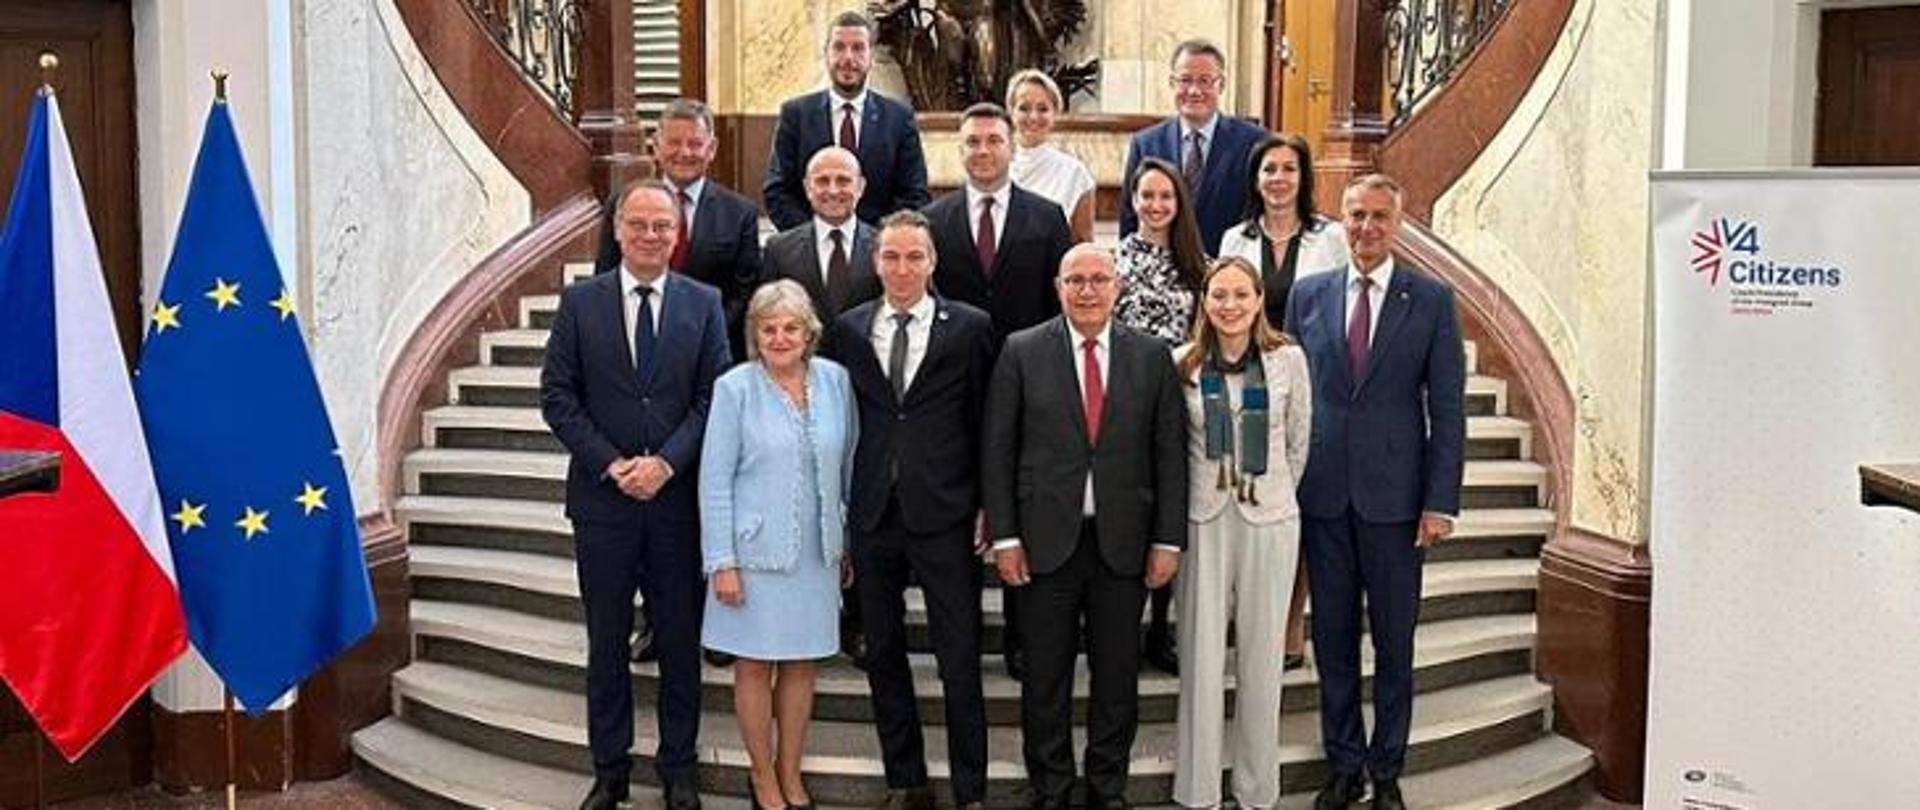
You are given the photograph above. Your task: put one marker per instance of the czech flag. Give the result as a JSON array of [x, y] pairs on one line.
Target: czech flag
[[89, 614]]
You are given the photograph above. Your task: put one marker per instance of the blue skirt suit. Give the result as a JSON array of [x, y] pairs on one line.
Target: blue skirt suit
[[773, 484]]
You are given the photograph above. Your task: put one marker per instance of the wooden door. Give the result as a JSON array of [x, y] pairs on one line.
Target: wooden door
[[1869, 107], [94, 83], [1301, 69]]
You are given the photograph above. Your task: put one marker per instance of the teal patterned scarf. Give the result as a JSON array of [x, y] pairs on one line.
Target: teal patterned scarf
[[1217, 411]]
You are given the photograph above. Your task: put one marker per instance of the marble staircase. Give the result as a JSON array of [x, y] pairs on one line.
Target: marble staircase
[[491, 712]]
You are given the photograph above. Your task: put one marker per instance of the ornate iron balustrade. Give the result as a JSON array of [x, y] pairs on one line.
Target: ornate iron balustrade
[[544, 37], [1427, 39]]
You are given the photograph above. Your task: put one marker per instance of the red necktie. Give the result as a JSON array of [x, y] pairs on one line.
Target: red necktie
[[1360, 331], [847, 137], [678, 261], [1091, 387], [983, 243]]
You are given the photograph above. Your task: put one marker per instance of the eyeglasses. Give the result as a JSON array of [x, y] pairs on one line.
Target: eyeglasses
[[1196, 82], [1078, 283], [659, 227]]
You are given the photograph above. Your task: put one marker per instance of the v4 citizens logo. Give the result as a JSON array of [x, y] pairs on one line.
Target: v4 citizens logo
[[1756, 282]]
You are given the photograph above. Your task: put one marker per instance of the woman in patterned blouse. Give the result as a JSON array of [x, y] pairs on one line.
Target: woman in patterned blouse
[[1162, 263], [1162, 267]]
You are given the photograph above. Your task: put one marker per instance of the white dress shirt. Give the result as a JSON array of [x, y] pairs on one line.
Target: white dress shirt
[[1382, 276], [837, 111], [1206, 139], [630, 304], [1000, 198], [823, 245], [919, 331]]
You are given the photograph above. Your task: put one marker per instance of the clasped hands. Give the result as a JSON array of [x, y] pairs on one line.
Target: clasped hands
[[640, 477]]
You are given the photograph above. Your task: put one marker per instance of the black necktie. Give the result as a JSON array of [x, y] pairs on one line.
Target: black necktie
[[643, 332], [897, 355], [839, 286]]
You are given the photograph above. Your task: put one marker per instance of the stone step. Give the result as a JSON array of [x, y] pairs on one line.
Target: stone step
[[519, 428], [542, 527], [425, 769], [552, 652], [540, 475], [547, 726]]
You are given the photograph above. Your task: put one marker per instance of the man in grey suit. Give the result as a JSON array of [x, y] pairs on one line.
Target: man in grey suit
[[831, 255], [1084, 479]]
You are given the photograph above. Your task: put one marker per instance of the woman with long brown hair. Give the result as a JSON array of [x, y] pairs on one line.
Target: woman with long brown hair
[[1249, 420]]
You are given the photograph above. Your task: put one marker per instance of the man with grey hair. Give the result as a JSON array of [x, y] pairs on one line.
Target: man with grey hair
[[1084, 476], [847, 114], [720, 242]]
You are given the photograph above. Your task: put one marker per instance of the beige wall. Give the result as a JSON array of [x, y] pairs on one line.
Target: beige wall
[[765, 51], [1555, 211]]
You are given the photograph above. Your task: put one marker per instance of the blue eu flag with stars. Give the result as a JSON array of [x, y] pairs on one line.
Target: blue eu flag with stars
[[258, 510]]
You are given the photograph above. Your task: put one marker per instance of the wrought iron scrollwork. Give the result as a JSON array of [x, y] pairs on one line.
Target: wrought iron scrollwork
[[544, 37], [1427, 40]]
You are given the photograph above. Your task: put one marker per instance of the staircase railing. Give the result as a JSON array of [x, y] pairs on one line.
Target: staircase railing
[[544, 37], [1427, 40]]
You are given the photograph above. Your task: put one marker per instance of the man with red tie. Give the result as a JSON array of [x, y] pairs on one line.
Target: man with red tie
[[1085, 487], [847, 114]]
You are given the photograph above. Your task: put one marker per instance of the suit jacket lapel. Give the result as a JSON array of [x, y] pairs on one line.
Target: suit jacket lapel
[[936, 346], [675, 313], [1068, 385], [820, 120], [617, 310], [812, 275], [1119, 352], [1333, 306], [1393, 314], [863, 362], [869, 135]]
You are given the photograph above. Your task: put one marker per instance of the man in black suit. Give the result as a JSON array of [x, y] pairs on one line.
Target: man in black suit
[[849, 115], [723, 248], [831, 254], [999, 248], [999, 244], [1084, 477], [630, 365], [919, 365]]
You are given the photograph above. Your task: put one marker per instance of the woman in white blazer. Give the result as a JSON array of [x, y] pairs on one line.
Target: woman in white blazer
[[1249, 419], [1287, 240]]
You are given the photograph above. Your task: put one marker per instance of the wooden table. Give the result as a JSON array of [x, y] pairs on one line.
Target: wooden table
[[1891, 485], [28, 471]]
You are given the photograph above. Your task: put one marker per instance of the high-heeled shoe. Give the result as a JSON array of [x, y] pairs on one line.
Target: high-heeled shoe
[[753, 798]]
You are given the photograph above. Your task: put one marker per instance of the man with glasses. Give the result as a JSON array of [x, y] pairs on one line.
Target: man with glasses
[[1084, 480], [1211, 149]]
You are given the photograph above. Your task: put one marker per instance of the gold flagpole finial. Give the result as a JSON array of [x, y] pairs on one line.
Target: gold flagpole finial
[[219, 85], [49, 62]]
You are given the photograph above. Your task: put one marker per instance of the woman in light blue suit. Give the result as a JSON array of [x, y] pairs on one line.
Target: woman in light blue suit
[[774, 472]]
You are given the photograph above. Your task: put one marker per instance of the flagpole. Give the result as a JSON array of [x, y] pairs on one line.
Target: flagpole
[[233, 795]]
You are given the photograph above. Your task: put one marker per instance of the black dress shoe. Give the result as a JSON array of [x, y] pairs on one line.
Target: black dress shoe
[[682, 795], [1386, 795], [1293, 661], [1098, 801], [719, 659], [607, 794], [854, 645], [1161, 652], [1016, 664], [1341, 791], [1038, 802], [643, 651]]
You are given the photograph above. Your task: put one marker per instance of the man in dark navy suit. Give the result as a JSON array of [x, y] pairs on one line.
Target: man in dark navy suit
[[629, 372], [831, 254], [1382, 483], [1211, 149], [849, 115], [919, 364], [723, 245]]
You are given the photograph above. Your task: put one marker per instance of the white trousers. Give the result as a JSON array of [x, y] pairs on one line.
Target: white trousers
[[1233, 573]]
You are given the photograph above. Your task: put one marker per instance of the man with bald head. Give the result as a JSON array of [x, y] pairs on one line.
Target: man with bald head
[[1084, 480], [830, 254]]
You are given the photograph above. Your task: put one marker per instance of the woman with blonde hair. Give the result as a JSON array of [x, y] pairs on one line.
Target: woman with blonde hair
[[1249, 419], [774, 471], [1039, 166]]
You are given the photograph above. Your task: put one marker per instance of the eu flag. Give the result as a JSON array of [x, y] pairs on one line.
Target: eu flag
[[259, 514]]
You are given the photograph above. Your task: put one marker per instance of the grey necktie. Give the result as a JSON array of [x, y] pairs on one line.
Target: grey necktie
[[1194, 167], [897, 356]]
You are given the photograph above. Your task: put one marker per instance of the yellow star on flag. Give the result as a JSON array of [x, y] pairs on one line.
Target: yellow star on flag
[[165, 317], [253, 523], [312, 498], [189, 516], [224, 295], [284, 303]]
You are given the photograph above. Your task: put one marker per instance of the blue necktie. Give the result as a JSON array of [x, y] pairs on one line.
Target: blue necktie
[[643, 338]]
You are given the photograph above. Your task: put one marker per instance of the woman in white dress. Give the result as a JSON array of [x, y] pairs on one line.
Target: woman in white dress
[[1040, 166], [1286, 240], [1249, 420]]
